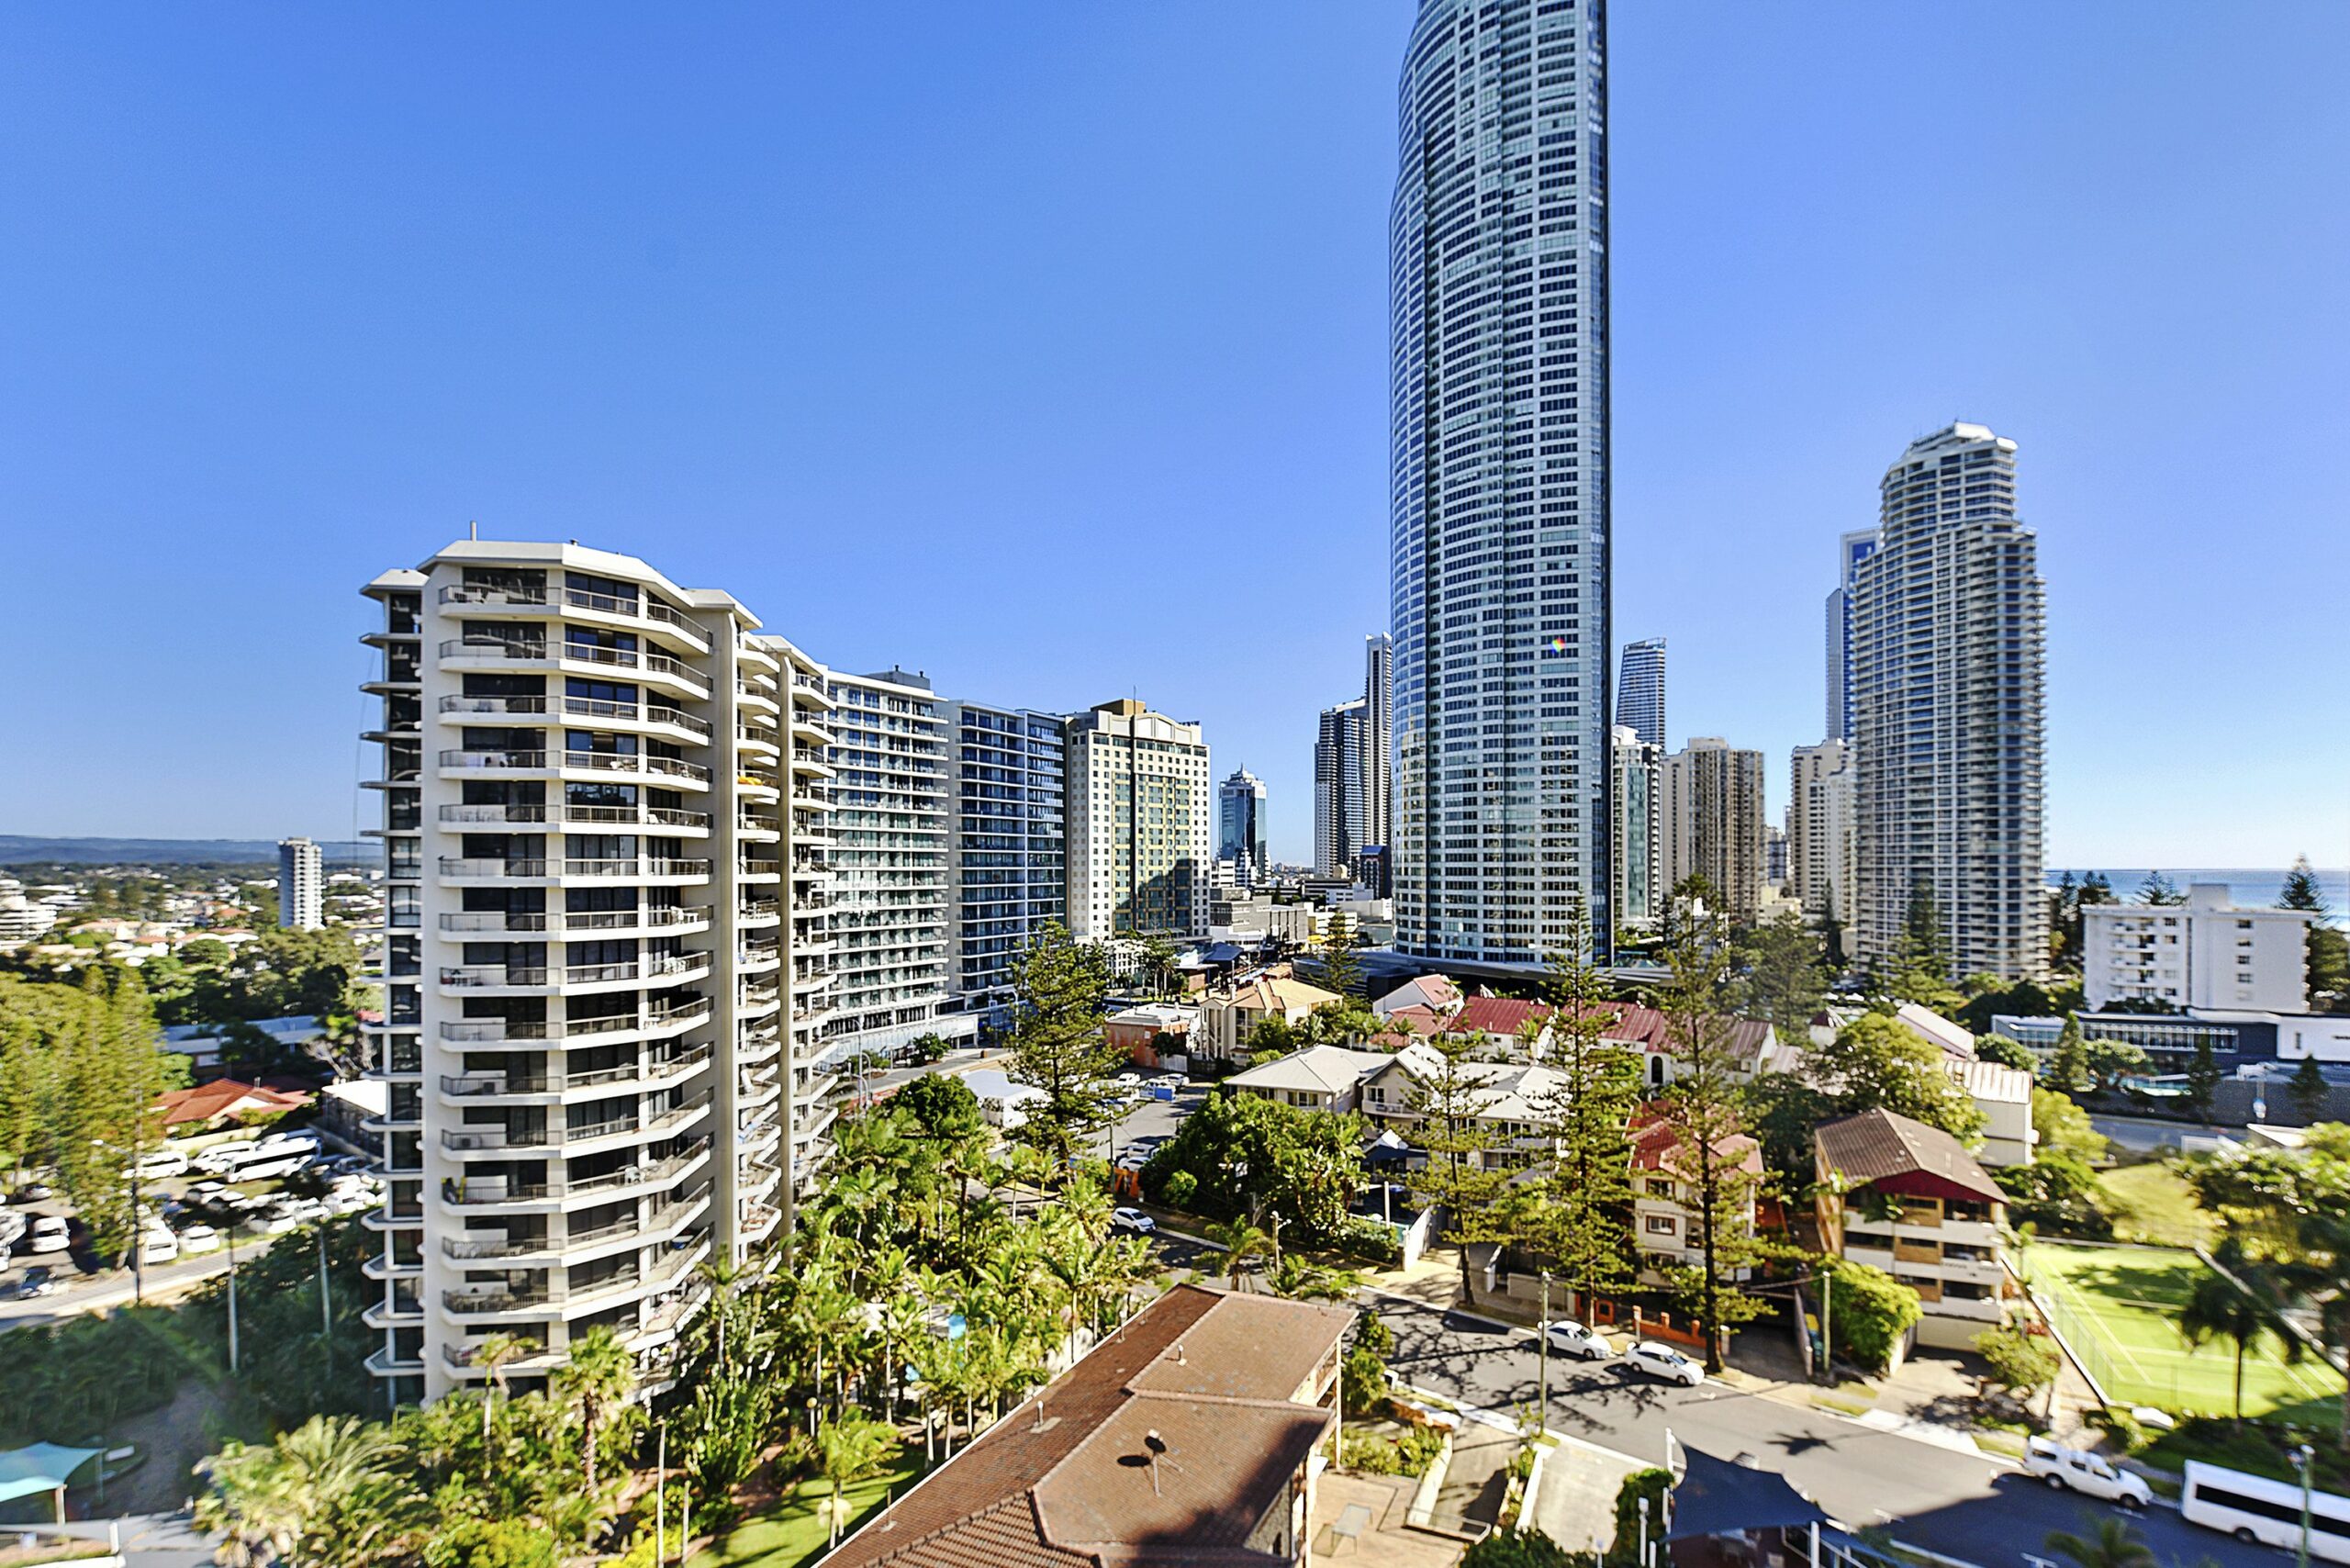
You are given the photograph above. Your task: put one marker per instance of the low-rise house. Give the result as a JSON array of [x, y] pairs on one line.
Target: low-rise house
[[1665, 1173], [1513, 1099], [1908, 1199], [221, 1102], [1143, 1034], [1319, 1078], [1187, 1436], [1227, 1016], [1504, 1018], [1437, 993], [2004, 1096], [201, 1043]]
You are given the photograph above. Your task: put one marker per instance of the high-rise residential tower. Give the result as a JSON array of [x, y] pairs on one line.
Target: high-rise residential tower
[[301, 885], [1240, 827], [1947, 634], [1819, 829], [1498, 498], [1852, 549], [1006, 878], [891, 863], [1712, 823], [1637, 853], [1378, 738], [1140, 817], [1340, 808], [607, 968], [1639, 689]]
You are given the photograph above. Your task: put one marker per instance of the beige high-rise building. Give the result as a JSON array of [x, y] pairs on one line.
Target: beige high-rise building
[[1712, 822], [1820, 851], [1141, 815], [608, 965]]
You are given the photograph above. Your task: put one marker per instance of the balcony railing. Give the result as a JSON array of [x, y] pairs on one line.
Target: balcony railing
[[493, 1301]]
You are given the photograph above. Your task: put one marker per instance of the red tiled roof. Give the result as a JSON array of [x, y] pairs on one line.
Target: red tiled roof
[[1500, 1016], [1655, 1141], [1651, 1030], [220, 1097], [1879, 1145], [1066, 1478]]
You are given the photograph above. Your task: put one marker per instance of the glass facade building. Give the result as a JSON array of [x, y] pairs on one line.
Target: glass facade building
[[1499, 531]]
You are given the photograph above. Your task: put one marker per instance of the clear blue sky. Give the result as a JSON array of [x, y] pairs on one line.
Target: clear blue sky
[[1043, 346]]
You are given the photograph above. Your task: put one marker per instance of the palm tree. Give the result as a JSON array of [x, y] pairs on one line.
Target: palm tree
[[849, 1450], [322, 1491], [2110, 1543], [1241, 1241], [599, 1376], [2237, 1301], [1298, 1280], [1025, 1165], [491, 1355]]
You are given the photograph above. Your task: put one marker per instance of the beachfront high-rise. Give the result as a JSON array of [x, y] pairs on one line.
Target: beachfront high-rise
[[1378, 738], [1498, 503], [301, 885], [1852, 549], [1141, 824], [606, 963], [1639, 689], [1947, 651], [1006, 878]]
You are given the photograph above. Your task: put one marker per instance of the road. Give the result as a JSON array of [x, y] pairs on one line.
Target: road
[[1962, 1505]]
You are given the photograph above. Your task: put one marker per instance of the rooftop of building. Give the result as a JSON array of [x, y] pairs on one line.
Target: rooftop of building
[[1881, 1146], [1167, 1443]]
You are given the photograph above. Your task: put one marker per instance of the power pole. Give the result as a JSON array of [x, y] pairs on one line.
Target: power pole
[[1542, 1332]]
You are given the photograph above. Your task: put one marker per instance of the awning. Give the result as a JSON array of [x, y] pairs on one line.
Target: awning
[[39, 1467], [1720, 1497]]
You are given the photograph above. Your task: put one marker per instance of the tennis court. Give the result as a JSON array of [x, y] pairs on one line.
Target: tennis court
[[2119, 1308]]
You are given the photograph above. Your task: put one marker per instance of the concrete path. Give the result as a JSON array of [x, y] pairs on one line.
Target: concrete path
[[1575, 1503]]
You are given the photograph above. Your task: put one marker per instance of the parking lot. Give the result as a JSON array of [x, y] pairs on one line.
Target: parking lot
[[239, 1191]]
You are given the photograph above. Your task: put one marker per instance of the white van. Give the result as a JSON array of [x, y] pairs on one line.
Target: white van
[[222, 1157], [159, 1246], [2255, 1508], [156, 1164]]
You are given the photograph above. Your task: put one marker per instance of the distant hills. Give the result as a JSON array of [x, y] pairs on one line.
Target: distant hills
[[17, 849]]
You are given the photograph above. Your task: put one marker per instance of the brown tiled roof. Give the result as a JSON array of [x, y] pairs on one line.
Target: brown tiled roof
[[1651, 1030], [1879, 1145], [1657, 1146], [1065, 1478]]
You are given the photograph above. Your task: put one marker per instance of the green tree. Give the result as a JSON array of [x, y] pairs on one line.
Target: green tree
[[1785, 973], [1058, 1044], [2244, 1309], [1869, 1313], [1877, 1062], [1523, 1547], [1642, 1486], [1272, 1035], [2006, 1052], [1157, 963], [2111, 1543], [2203, 1077], [2068, 1065], [849, 1451], [1242, 1241], [2329, 946], [2307, 1090], [1703, 1106], [596, 1384], [1341, 969], [2112, 1062], [1448, 1102], [941, 1105], [2020, 1362], [2158, 889], [1585, 1221]]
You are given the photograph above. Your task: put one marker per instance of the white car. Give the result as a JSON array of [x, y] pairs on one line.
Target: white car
[[159, 1246], [222, 1157], [208, 1189], [270, 1222], [199, 1239], [159, 1163], [50, 1234], [1128, 1081], [1134, 1220], [1569, 1337], [1664, 1363], [2078, 1470]]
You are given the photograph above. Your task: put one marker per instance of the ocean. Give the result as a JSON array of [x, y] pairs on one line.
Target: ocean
[[2252, 887]]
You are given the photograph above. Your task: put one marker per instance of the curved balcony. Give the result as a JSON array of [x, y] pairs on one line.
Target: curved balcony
[[379, 1268], [665, 820], [518, 871], [384, 1363], [809, 730], [759, 914], [649, 718]]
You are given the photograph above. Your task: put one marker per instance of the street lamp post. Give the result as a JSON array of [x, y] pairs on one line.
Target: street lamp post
[[1542, 1334], [2303, 1455]]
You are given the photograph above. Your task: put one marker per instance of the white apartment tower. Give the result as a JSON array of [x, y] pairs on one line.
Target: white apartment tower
[[891, 861], [1341, 813], [1636, 856], [1007, 878], [1947, 649], [1498, 484], [1140, 815], [301, 885], [1819, 828], [1852, 549], [2204, 953], [1712, 822], [606, 969]]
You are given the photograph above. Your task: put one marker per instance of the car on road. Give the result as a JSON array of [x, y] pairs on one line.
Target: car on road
[[2079, 1471], [198, 1238], [1134, 1220], [1664, 1363], [50, 1234], [36, 1282], [1569, 1337], [159, 1246]]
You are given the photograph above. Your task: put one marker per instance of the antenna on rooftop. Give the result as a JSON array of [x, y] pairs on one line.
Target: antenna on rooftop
[[473, 529], [1157, 1446]]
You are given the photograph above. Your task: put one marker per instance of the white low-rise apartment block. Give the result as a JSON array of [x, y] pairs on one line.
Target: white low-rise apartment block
[[1906, 1198], [2204, 953], [1665, 1175], [607, 965]]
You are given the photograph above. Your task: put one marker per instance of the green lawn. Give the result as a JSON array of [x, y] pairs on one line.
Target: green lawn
[[2119, 1305], [793, 1531], [2150, 1204]]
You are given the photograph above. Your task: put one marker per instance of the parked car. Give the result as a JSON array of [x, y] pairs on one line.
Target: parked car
[[156, 1164], [1128, 1081], [159, 1246], [269, 1222], [12, 1227], [2089, 1474], [1664, 1363], [222, 1157], [36, 1282], [1569, 1337], [207, 1189], [199, 1239], [1134, 1220], [304, 1138], [50, 1234]]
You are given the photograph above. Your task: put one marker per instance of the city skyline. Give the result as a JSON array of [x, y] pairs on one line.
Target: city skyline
[[329, 408]]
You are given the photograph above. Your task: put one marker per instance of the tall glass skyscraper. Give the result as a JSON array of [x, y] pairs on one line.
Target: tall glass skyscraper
[[1240, 827], [1639, 689], [1498, 484]]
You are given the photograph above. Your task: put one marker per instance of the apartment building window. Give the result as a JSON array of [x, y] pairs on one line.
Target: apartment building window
[[1662, 1225]]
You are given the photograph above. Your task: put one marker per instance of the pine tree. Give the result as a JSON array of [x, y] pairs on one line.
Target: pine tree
[[1448, 1101], [2069, 1066], [2307, 1090], [1058, 1044], [1341, 970], [1703, 1106], [2203, 1075], [2302, 890], [2158, 889], [1585, 1224], [2329, 946]]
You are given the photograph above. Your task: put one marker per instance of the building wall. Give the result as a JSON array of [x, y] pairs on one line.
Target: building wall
[[2204, 953], [1379, 740], [1006, 878], [1640, 690], [1947, 660], [1851, 551], [1819, 833], [1637, 855], [1340, 808], [1240, 828], [1498, 492], [1139, 814], [1712, 819]]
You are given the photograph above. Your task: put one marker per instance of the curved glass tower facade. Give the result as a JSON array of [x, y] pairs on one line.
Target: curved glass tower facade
[[1498, 498]]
